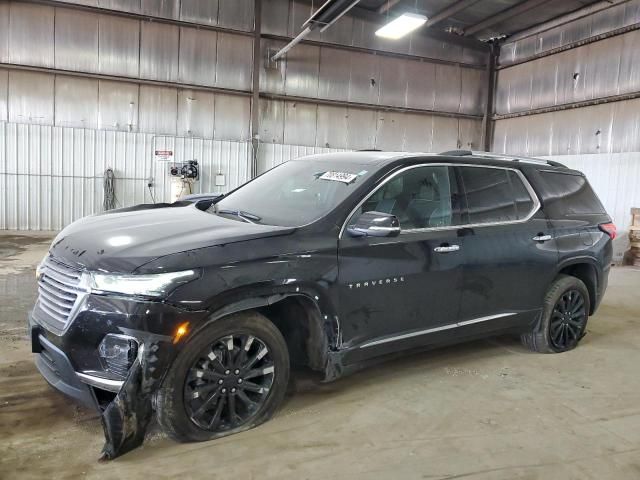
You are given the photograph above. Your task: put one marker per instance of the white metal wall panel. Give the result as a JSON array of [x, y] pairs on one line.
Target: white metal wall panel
[[161, 8], [197, 11], [605, 128], [76, 40], [198, 56], [30, 97], [393, 82], [334, 74], [332, 127], [362, 126], [364, 84], [445, 134], [4, 32], [233, 117], [272, 121], [236, 14], [390, 131], [301, 77], [275, 18], [421, 85], [271, 155], [119, 46], [272, 76], [120, 5], [51, 176], [4, 93], [31, 34], [76, 102], [118, 105], [159, 45], [158, 109], [196, 113], [623, 14], [300, 121], [474, 91], [448, 88], [235, 61]]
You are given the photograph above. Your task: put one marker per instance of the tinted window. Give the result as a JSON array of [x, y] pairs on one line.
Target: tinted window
[[568, 194], [421, 197], [495, 195]]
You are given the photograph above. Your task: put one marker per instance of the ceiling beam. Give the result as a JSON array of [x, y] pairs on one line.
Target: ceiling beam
[[450, 11], [505, 14], [388, 5], [440, 35]]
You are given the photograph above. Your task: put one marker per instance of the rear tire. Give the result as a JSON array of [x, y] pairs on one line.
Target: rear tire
[[564, 317], [217, 386]]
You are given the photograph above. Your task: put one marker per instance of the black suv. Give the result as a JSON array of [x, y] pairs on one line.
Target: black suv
[[199, 312]]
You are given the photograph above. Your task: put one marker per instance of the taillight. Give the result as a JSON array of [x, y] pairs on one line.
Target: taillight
[[609, 229]]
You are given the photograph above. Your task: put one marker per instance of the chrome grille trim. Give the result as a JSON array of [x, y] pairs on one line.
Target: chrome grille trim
[[60, 292]]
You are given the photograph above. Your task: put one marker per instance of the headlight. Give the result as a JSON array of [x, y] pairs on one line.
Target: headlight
[[154, 285]]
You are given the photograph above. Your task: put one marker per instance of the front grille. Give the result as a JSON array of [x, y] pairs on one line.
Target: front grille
[[58, 289]]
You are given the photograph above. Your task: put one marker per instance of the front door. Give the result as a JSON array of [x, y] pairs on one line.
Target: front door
[[400, 289]]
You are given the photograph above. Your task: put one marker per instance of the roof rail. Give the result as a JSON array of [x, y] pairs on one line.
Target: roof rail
[[500, 156]]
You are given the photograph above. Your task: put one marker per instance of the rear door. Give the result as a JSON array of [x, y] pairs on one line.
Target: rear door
[[509, 257]]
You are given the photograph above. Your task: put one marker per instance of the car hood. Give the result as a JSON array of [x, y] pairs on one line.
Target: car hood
[[122, 241]]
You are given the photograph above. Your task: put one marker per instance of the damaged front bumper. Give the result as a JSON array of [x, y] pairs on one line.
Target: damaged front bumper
[[70, 362]]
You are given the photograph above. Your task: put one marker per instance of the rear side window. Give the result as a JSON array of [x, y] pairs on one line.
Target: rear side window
[[495, 195], [568, 194]]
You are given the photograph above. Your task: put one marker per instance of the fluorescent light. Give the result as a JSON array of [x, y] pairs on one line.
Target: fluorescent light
[[401, 26]]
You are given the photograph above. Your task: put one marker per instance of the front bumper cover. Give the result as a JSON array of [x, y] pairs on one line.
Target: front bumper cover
[[60, 358]]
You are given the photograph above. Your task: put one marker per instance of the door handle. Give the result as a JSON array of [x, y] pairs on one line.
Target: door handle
[[542, 238], [449, 249]]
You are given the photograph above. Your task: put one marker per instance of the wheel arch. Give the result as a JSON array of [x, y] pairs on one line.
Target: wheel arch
[[585, 269], [310, 333]]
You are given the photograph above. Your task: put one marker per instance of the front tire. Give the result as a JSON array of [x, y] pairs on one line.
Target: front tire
[[564, 317], [232, 376]]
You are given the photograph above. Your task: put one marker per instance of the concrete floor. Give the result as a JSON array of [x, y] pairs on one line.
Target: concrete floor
[[485, 410]]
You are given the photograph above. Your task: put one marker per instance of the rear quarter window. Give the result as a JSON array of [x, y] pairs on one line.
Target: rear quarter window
[[568, 194]]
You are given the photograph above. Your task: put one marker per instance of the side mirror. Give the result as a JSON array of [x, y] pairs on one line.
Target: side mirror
[[375, 224]]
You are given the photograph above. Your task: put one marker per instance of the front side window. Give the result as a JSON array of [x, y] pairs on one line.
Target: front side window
[[421, 197], [495, 195]]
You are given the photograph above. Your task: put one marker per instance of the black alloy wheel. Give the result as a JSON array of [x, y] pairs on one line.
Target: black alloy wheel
[[568, 320], [229, 382]]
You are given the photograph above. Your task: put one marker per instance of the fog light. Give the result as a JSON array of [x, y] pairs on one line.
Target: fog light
[[118, 352]]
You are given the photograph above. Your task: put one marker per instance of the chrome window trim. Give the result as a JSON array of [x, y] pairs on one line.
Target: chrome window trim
[[523, 179], [442, 328]]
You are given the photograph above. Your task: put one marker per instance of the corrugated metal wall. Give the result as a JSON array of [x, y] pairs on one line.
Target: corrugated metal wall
[[578, 104], [89, 79], [62, 178]]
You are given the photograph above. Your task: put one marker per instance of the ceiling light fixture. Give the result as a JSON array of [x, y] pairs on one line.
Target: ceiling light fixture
[[401, 26]]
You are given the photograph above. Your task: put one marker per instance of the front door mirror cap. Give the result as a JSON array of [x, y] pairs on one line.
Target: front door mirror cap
[[375, 224]]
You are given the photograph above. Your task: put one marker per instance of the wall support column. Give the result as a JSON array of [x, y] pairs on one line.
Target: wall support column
[[255, 90], [487, 119]]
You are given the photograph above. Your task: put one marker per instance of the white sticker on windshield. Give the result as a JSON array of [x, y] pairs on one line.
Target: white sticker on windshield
[[339, 177]]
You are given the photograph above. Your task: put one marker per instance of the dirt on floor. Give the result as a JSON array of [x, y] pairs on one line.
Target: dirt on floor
[[484, 410]]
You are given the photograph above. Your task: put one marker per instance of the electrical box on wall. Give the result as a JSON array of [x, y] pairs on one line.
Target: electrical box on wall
[[187, 170], [220, 180]]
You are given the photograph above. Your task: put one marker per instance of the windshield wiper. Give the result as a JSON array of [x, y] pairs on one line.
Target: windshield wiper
[[246, 216]]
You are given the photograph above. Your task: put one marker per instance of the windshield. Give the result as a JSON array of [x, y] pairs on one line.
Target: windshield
[[293, 194]]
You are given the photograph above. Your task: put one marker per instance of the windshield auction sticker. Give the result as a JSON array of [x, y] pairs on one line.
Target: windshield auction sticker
[[339, 177]]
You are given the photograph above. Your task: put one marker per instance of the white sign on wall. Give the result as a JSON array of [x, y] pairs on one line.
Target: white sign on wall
[[163, 155]]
